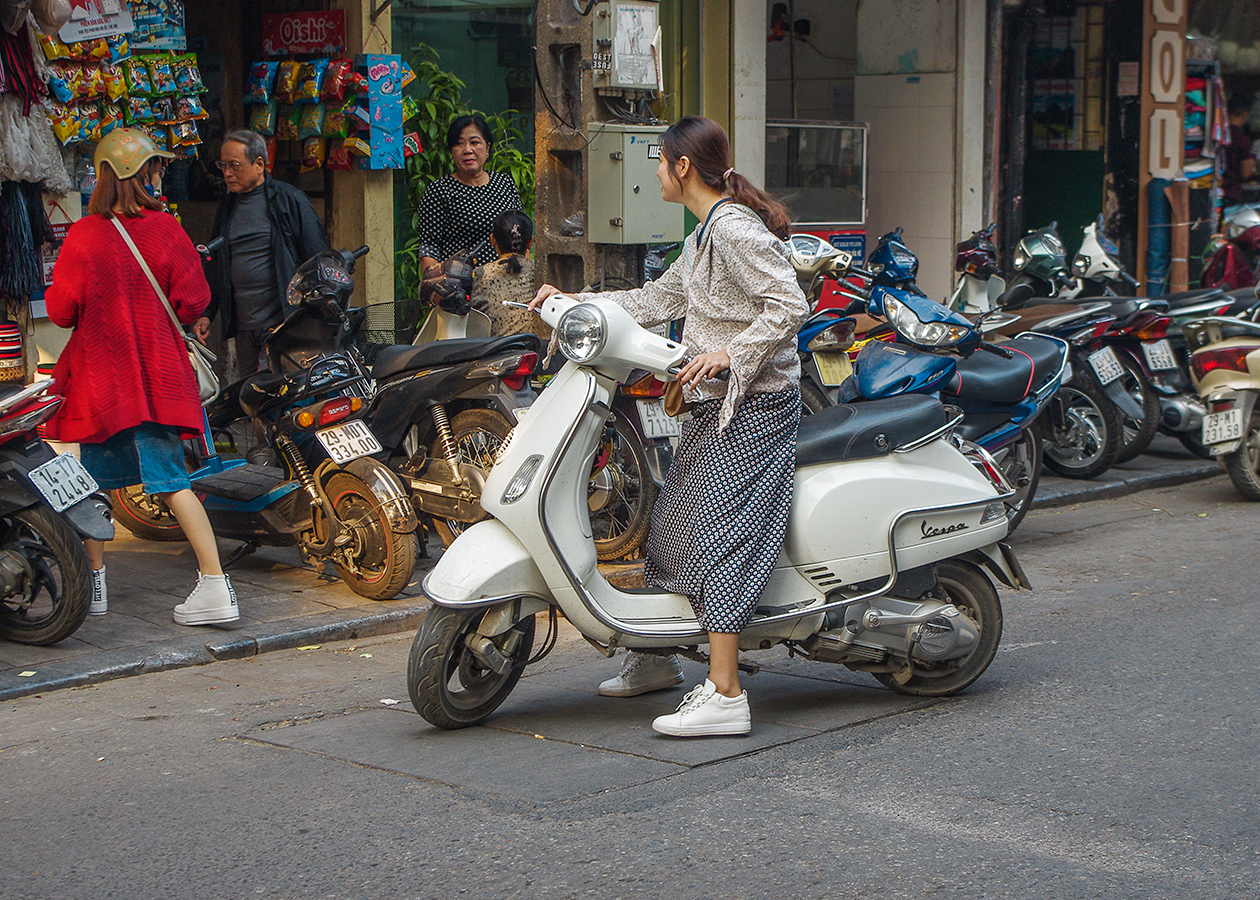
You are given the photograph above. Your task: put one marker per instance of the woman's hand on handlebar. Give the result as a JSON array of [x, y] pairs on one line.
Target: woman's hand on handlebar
[[702, 366], [547, 290]]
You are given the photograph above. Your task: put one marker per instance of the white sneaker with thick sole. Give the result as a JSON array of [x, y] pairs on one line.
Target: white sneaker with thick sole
[[212, 602], [641, 673], [99, 605], [705, 712]]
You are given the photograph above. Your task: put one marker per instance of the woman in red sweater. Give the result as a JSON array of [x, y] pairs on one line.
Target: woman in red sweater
[[130, 394]]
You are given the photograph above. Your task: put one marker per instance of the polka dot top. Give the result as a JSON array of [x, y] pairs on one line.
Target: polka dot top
[[455, 217]]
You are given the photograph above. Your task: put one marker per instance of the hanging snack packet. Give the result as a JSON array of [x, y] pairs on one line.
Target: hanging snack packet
[[163, 110], [411, 144], [187, 75], [61, 81], [336, 125], [287, 122], [184, 152], [187, 108], [262, 80], [408, 75], [263, 117], [184, 134], [273, 149], [111, 117], [287, 80], [90, 122], [339, 157], [65, 124], [92, 86], [54, 48], [115, 84], [310, 80], [91, 51], [336, 79], [358, 146], [314, 152], [119, 48], [162, 75], [311, 121], [136, 74], [411, 108], [138, 110], [158, 134]]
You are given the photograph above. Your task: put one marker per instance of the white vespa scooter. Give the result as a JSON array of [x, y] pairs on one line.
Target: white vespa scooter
[[883, 568]]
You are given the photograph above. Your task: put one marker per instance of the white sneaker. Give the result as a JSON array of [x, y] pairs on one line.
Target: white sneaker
[[706, 712], [212, 602], [99, 604], [641, 673]]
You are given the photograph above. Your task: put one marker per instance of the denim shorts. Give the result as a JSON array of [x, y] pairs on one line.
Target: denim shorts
[[150, 455]]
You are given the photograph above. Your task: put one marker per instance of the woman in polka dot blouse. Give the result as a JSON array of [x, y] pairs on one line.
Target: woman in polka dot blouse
[[458, 210], [721, 517]]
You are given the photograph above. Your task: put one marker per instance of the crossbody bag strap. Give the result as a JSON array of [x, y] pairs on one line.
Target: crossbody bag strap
[[179, 327]]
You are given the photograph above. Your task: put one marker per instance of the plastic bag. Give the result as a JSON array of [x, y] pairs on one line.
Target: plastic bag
[[311, 121], [314, 152], [61, 84], [65, 124], [261, 84], [119, 48], [111, 117], [184, 134], [138, 110], [163, 110], [336, 124], [54, 48], [310, 80], [51, 15], [263, 117]]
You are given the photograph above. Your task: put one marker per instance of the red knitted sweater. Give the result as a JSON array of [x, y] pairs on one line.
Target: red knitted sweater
[[125, 363]]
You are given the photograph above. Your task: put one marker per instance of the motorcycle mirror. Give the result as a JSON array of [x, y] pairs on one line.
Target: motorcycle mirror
[[1015, 296]]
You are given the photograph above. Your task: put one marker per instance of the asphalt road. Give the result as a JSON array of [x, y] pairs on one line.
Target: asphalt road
[[1109, 751]]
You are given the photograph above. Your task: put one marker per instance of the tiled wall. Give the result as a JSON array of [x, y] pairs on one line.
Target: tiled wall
[[911, 167]]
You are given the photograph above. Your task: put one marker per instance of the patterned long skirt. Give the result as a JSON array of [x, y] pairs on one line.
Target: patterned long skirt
[[719, 523]]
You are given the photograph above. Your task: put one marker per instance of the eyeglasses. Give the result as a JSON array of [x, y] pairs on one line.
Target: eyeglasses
[[225, 164]]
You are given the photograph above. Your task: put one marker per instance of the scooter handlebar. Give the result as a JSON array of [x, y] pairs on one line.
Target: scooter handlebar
[[1129, 279], [206, 251], [997, 349]]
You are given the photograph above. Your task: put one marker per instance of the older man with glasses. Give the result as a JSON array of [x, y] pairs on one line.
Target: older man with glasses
[[271, 228]]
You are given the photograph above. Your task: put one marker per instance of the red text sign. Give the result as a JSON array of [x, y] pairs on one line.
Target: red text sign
[[322, 33]]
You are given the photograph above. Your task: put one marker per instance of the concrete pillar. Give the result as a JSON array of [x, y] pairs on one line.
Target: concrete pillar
[[971, 203], [362, 208], [748, 88]]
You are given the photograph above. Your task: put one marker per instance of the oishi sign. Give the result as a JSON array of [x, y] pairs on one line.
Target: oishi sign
[[322, 33]]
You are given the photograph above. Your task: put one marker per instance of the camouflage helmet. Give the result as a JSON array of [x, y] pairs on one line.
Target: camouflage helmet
[[127, 150]]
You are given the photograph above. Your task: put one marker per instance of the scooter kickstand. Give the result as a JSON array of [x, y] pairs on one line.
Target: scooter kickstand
[[240, 553]]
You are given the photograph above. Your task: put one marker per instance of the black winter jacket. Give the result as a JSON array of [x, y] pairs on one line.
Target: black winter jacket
[[296, 236]]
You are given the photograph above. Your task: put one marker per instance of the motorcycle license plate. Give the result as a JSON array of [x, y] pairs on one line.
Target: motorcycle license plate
[[348, 441], [833, 368], [1105, 364], [63, 481], [656, 424], [1220, 427], [1159, 355]]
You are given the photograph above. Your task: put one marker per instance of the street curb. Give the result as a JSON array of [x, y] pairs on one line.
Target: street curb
[[340, 625], [1082, 492]]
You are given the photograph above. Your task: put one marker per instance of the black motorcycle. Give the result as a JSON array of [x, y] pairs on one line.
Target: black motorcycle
[[47, 504]]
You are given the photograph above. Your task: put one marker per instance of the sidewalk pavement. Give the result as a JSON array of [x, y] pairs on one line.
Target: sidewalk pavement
[[286, 604]]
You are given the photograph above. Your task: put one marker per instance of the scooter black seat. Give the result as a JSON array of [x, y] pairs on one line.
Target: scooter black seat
[[867, 429], [1180, 299], [405, 358], [1241, 300], [259, 390], [994, 379]]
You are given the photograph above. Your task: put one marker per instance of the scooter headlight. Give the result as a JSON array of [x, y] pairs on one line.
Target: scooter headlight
[[1020, 259], [925, 334], [582, 332], [1080, 265]]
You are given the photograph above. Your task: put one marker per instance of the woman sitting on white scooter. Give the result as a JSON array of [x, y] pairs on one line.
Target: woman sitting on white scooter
[[719, 523]]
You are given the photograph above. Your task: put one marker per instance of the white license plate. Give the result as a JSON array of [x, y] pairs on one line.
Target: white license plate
[[833, 368], [1159, 355], [656, 424], [1220, 427], [1105, 364], [63, 481], [348, 441]]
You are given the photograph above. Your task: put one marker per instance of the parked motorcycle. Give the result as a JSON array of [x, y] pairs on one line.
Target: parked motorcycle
[[1236, 259], [900, 591], [1224, 361], [314, 483], [48, 502]]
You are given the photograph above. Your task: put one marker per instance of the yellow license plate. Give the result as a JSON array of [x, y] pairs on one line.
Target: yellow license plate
[[833, 368]]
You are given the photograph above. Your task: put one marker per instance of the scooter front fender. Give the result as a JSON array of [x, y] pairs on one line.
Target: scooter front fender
[[485, 566], [1123, 399]]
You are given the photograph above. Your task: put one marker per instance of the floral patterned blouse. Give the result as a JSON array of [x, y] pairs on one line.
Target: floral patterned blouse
[[496, 283], [737, 289]]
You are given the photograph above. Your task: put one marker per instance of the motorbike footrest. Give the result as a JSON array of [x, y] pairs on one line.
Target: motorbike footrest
[[243, 483]]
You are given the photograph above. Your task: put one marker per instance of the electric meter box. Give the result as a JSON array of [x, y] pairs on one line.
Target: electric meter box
[[627, 51], [624, 203]]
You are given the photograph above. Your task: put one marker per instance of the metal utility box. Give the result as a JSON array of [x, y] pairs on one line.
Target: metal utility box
[[627, 51], [624, 204]]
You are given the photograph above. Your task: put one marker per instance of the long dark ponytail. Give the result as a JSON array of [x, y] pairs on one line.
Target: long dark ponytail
[[705, 143]]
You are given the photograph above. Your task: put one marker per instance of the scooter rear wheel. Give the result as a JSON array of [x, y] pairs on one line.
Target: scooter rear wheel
[[378, 561], [478, 435], [970, 590], [449, 686], [144, 515], [1243, 465], [1085, 443], [1021, 463], [1137, 434], [50, 599]]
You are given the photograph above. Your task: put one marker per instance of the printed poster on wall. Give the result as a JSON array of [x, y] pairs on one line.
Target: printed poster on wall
[[91, 19]]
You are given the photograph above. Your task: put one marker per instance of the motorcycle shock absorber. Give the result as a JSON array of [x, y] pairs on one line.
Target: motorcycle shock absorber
[[443, 425], [301, 470]]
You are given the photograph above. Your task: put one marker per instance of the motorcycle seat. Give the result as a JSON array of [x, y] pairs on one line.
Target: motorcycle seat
[[259, 390], [992, 379], [1181, 299], [406, 358], [866, 430], [1032, 316]]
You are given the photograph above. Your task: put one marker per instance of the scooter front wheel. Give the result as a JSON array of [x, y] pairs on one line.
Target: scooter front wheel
[[451, 686], [970, 590], [1084, 430], [1243, 465], [47, 585]]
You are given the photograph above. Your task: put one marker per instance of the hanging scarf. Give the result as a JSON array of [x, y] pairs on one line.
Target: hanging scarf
[[19, 68], [20, 274]]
